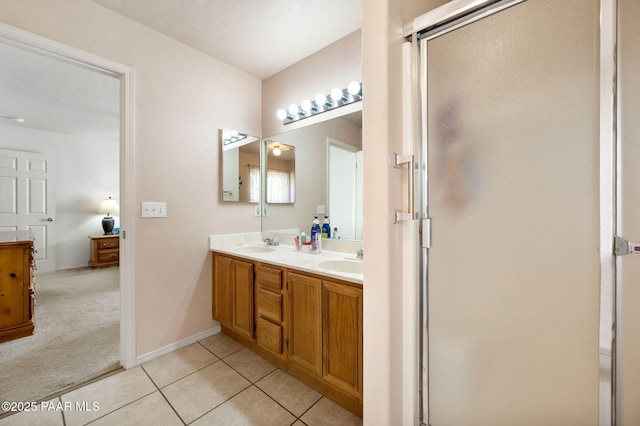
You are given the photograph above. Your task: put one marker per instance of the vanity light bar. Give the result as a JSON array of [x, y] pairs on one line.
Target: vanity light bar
[[230, 136], [322, 103]]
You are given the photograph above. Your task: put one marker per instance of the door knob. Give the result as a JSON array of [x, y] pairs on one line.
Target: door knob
[[49, 219]]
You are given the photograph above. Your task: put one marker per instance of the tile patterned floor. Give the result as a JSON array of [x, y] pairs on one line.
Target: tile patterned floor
[[216, 381]]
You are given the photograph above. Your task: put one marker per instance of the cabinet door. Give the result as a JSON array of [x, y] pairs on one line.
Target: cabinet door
[[342, 316], [13, 295], [305, 307], [222, 289], [242, 296]]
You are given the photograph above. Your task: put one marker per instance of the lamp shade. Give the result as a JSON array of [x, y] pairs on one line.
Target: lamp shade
[[109, 206]]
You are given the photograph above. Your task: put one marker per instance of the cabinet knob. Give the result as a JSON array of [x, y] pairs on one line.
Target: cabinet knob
[[12, 275]]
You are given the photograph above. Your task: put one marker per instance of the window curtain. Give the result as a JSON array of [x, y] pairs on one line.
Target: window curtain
[[279, 186], [254, 183]]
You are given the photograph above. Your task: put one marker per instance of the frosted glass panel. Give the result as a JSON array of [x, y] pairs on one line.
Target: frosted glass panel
[[629, 210], [513, 196]]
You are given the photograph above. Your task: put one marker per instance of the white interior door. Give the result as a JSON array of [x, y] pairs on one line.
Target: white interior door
[[27, 201], [342, 188], [512, 113]]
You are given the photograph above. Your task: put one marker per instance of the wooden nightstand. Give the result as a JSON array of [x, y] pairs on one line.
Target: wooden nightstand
[[105, 250]]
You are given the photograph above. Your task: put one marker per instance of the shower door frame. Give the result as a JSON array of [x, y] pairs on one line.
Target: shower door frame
[[448, 18]]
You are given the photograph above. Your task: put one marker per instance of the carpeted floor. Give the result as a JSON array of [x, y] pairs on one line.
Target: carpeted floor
[[76, 338]]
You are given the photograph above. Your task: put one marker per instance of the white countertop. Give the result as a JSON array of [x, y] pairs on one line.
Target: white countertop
[[286, 256]]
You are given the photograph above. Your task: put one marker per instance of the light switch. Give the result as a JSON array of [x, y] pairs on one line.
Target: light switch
[[153, 209], [321, 209]]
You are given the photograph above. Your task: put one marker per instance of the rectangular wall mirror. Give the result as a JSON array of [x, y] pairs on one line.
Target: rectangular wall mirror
[[315, 173], [239, 167]]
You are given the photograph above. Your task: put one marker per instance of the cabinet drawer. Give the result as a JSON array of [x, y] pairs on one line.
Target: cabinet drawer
[[269, 336], [269, 305], [108, 243], [269, 277], [108, 256]]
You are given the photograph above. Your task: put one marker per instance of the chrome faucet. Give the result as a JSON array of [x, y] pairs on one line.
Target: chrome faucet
[[271, 241], [360, 254]]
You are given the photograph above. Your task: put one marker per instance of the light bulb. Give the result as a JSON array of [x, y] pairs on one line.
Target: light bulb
[[226, 134], [321, 99], [306, 105], [353, 88], [336, 94], [234, 133], [293, 109], [277, 151], [282, 114]]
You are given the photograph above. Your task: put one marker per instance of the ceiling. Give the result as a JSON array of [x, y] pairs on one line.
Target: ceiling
[[260, 37]]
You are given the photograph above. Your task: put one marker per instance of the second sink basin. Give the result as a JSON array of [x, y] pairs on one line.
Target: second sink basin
[[256, 249], [342, 265]]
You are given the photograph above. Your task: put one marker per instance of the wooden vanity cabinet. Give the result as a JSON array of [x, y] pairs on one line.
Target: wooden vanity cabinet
[[233, 294], [308, 325]]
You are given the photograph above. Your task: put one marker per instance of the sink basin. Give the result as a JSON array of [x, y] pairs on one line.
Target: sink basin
[[256, 249], [342, 265]]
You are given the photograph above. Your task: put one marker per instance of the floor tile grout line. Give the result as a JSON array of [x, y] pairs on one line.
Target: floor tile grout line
[[119, 408], [187, 375], [64, 420], [277, 402], [164, 396], [311, 406], [218, 356], [223, 402]]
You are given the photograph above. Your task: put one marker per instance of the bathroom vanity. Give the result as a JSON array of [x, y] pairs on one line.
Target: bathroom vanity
[[301, 311]]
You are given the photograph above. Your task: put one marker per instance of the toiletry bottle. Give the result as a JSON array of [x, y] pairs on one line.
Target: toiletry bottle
[[336, 236], [315, 228], [326, 228]]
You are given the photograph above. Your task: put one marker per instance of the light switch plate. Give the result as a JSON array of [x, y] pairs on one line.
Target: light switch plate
[[153, 209], [321, 209]]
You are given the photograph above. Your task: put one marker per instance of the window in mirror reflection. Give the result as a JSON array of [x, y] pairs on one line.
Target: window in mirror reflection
[[280, 174]]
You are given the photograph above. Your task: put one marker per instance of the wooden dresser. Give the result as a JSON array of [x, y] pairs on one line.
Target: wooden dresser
[[105, 250], [16, 285]]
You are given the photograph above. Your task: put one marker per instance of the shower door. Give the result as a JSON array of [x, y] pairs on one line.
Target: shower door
[[628, 294], [510, 107]]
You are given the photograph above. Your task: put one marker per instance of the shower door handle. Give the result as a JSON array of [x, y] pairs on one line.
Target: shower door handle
[[398, 162]]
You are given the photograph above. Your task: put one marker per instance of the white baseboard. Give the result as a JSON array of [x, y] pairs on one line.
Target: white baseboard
[[175, 346]]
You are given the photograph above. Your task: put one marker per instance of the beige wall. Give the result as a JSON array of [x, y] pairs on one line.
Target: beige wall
[[182, 98], [385, 390], [333, 66]]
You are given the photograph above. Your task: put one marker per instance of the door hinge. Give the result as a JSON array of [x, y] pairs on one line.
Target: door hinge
[[124, 235], [287, 343], [624, 247]]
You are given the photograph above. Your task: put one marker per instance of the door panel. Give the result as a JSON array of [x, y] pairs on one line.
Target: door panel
[[27, 202], [628, 322], [513, 178]]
